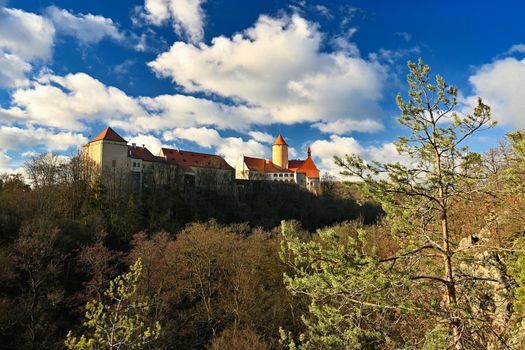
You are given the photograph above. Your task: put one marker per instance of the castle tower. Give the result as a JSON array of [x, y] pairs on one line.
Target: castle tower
[[280, 152], [108, 150]]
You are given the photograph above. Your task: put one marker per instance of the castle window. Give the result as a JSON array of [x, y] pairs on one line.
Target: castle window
[[281, 175]]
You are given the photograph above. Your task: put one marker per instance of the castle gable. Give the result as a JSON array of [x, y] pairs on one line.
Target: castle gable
[[306, 166], [109, 135]]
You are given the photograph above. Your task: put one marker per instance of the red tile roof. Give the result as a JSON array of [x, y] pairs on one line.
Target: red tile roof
[[263, 165], [144, 154], [306, 166], [188, 159], [110, 135], [280, 141]]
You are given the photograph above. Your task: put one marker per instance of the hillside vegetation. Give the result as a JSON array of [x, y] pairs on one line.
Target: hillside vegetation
[[426, 253]]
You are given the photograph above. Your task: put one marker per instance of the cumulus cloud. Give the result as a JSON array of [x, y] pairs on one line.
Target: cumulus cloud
[[228, 147], [277, 65], [15, 138], [13, 71], [186, 16], [501, 85], [87, 28], [325, 150], [204, 137], [74, 100], [26, 35], [152, 143], [67, 102], [233, 147], [167, 111], [25, 38], [340, 127], [262, 136]]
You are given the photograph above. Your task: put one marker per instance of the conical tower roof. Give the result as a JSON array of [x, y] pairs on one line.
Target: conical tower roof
[[280, 141]]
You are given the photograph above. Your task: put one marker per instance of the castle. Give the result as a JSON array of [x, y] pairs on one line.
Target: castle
[[302, 172], [111, 153]]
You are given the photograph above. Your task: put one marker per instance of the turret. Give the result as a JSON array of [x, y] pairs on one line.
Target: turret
[[280, 152]]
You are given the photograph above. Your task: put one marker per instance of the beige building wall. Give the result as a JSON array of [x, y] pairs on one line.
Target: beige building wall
[[94, 152], [114, 154]]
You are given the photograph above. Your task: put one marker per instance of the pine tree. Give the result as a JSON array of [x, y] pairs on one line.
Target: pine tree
[[419, 193], [119, 322], [351, 296]]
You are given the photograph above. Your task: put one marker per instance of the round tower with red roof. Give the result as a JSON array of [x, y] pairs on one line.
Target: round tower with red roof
[[280, 152]]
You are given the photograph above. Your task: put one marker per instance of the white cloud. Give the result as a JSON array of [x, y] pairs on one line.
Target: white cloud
[[13, 71], [278, 65], [152, 143], [87, 28], [24, 38], [232, 147], [184, 111], [204, 137], [262, 137], [340, 127], [228, 147], [14, 138], [72, 101], [66, 102], [325, 150], [187, 16], [518, 48], [27, 35], [501, 84]]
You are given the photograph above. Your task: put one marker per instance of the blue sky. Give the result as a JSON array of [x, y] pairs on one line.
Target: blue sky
[[227, 76]]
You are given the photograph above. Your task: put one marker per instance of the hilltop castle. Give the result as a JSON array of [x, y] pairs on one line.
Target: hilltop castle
[[111, 153], [302, 172]]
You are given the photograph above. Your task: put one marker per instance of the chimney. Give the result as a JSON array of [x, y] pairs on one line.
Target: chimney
[[133, 145]]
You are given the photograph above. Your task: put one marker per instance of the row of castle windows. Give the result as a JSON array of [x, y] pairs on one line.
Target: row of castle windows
[[281, 175]]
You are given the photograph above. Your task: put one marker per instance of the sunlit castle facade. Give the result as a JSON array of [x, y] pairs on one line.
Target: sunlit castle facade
[[302, 172], [112, 155]]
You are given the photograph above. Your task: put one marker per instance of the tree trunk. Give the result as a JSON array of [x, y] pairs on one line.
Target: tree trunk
[[450, 295]]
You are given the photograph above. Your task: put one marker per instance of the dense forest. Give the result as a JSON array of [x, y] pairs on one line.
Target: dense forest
[[424, 253]]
